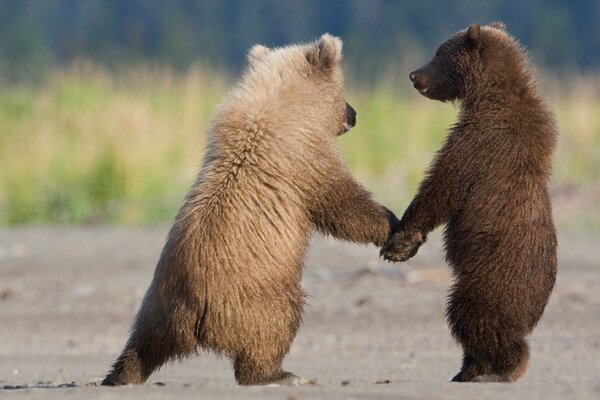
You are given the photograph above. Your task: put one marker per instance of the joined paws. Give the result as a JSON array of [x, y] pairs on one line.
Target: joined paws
[[402, 245]]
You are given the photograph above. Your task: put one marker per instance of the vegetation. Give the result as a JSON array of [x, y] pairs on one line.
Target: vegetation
[[561, 35], [92, 146]]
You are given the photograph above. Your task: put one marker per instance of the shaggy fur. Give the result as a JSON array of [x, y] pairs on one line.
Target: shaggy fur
[[228, 278], [489, 185]]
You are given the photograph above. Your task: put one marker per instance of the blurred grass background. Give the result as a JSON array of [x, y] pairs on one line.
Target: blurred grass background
[[87, 145]]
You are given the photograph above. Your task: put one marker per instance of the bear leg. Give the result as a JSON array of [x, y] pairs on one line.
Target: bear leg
[[260, 361], [153, 341], [511, 362], [508, 365], [494, 345], [470, 369], [130, 368], [264, 370]]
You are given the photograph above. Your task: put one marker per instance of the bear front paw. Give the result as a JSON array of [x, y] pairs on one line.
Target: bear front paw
[[402, 246]]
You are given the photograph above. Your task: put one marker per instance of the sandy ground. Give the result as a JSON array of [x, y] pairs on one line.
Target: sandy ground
[[371, 329]]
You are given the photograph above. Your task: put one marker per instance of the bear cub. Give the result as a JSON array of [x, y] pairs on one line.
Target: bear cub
[[228, 279], [489, 186]]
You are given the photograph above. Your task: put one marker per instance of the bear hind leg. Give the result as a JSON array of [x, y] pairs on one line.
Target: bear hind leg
[[255, 370], [508, 365], [510, 374], [151, 344], [259, 360], [470, 369], [512, 361], [132, 367]]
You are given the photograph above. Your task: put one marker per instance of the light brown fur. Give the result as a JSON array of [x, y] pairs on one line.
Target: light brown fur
[[228, 278]]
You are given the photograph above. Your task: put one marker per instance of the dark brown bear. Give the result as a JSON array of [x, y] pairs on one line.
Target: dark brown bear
[[489, 185]]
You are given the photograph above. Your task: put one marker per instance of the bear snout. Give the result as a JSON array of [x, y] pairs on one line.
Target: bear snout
[[350, 117], [419, 81]]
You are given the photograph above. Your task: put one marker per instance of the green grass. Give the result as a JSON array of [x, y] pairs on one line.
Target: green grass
[[91, 146]]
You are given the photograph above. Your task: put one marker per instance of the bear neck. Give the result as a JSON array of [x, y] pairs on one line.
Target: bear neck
[[503, 81]]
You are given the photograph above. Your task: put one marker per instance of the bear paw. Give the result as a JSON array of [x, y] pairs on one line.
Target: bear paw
[[402, 246], [290, 379]]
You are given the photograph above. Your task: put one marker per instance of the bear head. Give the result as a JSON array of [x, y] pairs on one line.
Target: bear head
[[460, 61], [305, 82]]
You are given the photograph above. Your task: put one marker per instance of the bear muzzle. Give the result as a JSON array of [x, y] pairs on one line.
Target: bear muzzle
[[350, 118], [419, 81]]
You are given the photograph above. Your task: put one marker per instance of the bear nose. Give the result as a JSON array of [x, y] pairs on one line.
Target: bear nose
[[350, 115], [412, 76]]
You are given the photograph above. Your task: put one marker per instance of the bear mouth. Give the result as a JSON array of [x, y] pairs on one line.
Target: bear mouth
[[346, 129], [421, 88]]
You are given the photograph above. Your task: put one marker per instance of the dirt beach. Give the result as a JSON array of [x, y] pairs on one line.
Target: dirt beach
[[371, 329]]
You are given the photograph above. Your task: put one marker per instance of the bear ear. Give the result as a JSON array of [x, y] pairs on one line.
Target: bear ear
[[498, 25], [473, 35], [326, 53], [256, 53]]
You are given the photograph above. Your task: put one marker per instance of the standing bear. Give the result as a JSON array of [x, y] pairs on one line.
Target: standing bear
[[489, 185], [228, 278]]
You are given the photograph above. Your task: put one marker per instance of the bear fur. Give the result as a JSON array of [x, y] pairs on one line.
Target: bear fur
[[489, 185], [228, 279]]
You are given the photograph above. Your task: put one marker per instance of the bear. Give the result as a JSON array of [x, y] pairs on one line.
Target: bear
[[489, 185], [228, 279]]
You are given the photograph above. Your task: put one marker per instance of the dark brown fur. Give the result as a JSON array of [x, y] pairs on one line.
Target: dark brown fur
[[489, 185], [228, 278]]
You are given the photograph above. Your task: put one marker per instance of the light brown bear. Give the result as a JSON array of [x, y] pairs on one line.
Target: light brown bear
[[228, 278]]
